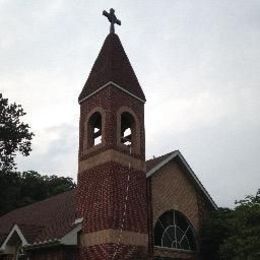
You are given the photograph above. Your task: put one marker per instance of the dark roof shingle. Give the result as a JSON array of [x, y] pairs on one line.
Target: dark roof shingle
[[112, 64], [40, 221]]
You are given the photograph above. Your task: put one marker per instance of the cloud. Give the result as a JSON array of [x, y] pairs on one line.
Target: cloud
[[198, 63], [224, 157], [55, 151]]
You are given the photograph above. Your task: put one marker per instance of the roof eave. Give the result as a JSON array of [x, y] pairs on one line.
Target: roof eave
[[46, 243], [69, 238]]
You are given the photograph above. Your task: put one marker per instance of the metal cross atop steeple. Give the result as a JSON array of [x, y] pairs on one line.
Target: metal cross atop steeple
[[112, 19]]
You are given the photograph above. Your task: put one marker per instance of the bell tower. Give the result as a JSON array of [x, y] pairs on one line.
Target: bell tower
[[111, 193]]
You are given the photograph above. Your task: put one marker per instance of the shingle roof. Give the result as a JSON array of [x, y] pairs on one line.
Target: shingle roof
[[112, 64], [47, 219]]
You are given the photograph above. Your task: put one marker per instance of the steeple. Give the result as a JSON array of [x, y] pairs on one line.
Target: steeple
[[111, 193], [112, 65]]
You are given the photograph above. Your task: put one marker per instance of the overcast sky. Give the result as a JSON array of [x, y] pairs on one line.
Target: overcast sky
[[198, 63]]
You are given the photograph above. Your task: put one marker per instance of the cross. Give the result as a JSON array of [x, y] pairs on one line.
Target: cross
[[112, 19]]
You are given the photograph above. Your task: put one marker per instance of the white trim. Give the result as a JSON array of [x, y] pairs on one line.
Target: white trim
[[71, 238], [161, 164], [175, 249], [178, 154], [78, 221], [19, 233], [115, 85], [44, 242]]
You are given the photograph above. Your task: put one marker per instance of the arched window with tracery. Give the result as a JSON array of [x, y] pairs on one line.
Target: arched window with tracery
[[173, 230], [127, 129], [95, 129]]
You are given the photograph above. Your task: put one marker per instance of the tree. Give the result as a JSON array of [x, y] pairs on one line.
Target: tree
[[214, 232], [233, 233], [18, 189], [244, 240], [15, 135]]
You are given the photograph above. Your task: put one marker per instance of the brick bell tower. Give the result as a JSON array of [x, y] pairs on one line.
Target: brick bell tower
[[111, 194]]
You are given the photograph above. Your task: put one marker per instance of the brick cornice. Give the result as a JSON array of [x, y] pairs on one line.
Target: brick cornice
[[114, 236]]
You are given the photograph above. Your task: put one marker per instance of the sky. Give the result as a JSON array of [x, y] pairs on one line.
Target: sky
[[198, 63]]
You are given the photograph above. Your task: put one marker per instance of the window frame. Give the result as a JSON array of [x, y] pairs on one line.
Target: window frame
[[192, 241]]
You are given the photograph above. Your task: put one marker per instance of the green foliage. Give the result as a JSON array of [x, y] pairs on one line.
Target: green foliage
[[214, 232], [14, 134], [234, 234], [20, 189], [244, 240]]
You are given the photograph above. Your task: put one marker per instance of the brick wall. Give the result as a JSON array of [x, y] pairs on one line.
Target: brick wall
[[109, 102], [173, 254], [203, 208], [104, 189], [113, 252], [172, 189], [103, 180]]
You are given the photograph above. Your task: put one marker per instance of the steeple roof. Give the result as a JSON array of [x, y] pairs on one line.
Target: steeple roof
[[112, 64]]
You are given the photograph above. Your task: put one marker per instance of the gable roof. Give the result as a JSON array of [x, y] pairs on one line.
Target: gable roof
[[112, 64], [15, 230], [44, 220], [154, 165]]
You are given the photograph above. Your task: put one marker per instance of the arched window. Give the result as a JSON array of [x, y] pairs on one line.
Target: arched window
[[173, 230], [95, 129], [127, 129]]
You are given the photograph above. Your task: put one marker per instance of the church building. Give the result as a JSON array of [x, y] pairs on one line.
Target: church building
[[124, 206]]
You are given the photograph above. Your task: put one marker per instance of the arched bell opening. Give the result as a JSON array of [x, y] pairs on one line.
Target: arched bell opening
[[95, 130], [128, 130]]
